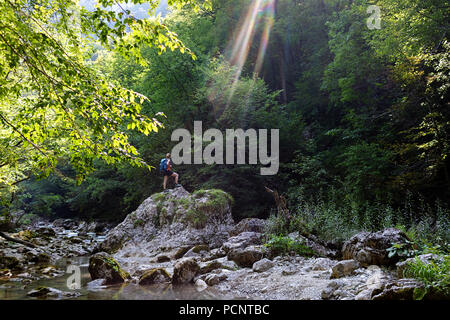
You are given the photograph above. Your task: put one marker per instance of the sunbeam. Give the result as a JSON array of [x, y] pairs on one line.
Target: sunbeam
[[259, 12]]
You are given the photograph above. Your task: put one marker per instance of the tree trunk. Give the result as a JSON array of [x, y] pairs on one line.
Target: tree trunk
[[26, 243]]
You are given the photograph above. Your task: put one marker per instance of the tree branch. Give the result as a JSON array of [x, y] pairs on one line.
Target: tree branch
[[26, 243]]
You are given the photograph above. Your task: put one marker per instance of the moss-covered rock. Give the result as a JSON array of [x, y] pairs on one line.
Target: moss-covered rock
[[181, 252], [216, 200], [210, 266], [185, 271], [5, 274], [175, 217], [162, 258], [196, 218], [153, 276], [199, 248], [103, 266], [9, 262], [26, 235]]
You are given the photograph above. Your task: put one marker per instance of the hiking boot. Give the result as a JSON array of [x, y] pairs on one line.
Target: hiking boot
[[177, 185], [166, 190]]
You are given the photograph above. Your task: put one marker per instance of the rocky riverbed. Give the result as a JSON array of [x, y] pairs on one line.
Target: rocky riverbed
[[178, 245], [58, 244]]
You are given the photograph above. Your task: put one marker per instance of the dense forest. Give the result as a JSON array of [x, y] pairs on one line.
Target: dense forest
[[363, 112]]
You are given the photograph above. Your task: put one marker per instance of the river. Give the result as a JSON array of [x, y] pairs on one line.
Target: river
[[16, 290]]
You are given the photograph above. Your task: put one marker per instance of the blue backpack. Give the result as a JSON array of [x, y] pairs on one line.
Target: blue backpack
[[163, 165]]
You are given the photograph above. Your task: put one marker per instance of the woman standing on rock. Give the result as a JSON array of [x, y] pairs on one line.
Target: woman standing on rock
[[166, 168]]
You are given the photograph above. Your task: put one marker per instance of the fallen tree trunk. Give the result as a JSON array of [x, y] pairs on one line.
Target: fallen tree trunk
[[26, 243]]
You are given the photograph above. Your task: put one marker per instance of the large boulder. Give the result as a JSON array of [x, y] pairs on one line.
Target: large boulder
[[67, 224], [45, 232], [185, 271], [175, 218], [322, 264], [242, 240], [103, 266], [249, 225], [219, 263], [371, 248], [245, 257], [344, 268], [263, 265]]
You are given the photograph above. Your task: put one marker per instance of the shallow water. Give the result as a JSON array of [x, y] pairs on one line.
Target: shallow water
[[16, 290]]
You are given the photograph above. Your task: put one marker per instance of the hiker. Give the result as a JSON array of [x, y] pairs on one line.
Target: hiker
[[166, 168]]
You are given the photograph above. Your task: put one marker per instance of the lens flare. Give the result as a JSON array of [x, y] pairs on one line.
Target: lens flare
[[260, 12], [256, 22]]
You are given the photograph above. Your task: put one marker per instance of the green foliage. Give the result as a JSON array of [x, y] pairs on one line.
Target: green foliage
[[218, 200], [282, 245], [185, 203], [197, 218], [435, 274], [401, 250], [159, 197], [363, 114], [53, 104]]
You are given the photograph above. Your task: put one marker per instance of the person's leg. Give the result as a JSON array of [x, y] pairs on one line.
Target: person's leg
[[175, 175], [165, 182]]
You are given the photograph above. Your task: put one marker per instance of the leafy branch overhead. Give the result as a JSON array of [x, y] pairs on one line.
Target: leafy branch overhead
[[53, 103]]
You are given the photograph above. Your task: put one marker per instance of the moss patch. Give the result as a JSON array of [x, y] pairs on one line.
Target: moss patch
[[184, 203], [211, 266], [196, 218], [181, 252], [201, 247], [218, 200], [159, 197], [157, 275], [26, 235], [116, 267]]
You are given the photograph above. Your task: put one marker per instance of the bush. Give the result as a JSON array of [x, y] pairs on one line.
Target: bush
[[281, 245]]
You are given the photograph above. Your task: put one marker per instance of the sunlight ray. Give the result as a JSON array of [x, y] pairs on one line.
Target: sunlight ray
[[259, 12]]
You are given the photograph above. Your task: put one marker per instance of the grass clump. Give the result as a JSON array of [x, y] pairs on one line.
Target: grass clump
[[183, 202], [197, 212], [159, 197], [196, 218], [218, 200], [282, 245], [435, 274]]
